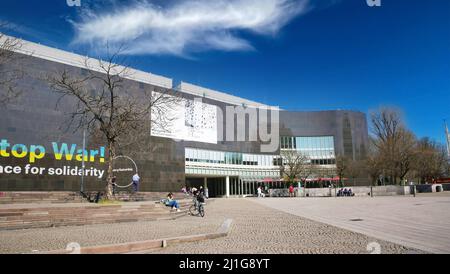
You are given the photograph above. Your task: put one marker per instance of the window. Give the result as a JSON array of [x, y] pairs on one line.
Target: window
[[230, 158], [317, 148]]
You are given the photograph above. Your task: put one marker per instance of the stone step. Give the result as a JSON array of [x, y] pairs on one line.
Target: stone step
[[83, 216], [50, 216], [23, 213], [79, 222], [75, 197]]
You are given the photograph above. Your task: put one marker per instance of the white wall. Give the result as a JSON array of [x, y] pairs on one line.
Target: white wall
[[359, 191]]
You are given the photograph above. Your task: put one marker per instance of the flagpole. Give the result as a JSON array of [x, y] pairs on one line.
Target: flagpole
[[447, 136]]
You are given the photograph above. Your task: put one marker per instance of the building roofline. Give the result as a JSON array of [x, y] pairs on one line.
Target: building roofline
[[216, 95], [72, 59], [77, 60]]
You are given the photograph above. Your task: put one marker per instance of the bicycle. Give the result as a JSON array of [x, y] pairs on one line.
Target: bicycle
[[197, 209], [93, 196]]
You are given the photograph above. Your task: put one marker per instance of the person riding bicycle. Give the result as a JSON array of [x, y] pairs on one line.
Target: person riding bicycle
[[199, 197]]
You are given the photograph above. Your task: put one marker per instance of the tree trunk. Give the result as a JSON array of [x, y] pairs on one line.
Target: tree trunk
[[112, 155]]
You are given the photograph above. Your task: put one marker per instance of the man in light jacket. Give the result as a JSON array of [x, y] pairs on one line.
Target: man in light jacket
[[136, 179]]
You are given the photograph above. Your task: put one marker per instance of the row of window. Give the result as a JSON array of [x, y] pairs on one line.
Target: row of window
[[230, 158], [316, 148], [240, 173], [235, 158], [307, 143], [323, 161]]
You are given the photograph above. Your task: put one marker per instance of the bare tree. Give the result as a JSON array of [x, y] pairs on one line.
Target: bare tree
[[393, 142], [373, 163], [355, 170], [342, 167], [324, 172], [9, 69], [431, 162], [405, 151], [106, 105], [295, 166]]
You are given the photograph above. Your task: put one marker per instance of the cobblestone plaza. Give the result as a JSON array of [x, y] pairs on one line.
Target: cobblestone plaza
[[272, 226]]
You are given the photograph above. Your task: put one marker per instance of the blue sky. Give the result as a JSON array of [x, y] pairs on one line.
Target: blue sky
[[320, 55]]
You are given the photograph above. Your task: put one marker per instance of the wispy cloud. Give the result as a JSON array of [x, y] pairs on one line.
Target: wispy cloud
[[184, 27]]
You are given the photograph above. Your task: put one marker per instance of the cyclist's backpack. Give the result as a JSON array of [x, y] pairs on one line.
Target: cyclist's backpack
[[201, 198]]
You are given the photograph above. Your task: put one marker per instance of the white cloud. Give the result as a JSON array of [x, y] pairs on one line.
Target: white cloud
[[184, 27]]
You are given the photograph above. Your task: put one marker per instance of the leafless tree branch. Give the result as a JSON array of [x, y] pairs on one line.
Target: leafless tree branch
[[105, 104], [10, 71]]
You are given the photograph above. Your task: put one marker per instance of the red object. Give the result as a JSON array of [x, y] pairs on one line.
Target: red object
[[335, 179], [442, 181]]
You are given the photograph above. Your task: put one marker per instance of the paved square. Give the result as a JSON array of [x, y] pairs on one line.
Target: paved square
[[422, 222], [258, 229]]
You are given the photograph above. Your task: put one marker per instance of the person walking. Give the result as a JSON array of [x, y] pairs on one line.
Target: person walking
[[184, 190], [291, 191], [136, 179], [206, 193]]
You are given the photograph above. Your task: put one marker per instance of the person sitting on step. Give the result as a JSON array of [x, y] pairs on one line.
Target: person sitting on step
[[172, 203]]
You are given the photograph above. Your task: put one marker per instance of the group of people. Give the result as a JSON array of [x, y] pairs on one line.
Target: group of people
[[193, 191], [261, 193], [345, 192], [199, 195]]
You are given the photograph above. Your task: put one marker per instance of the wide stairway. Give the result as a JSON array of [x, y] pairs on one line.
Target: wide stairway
[[63, 197], [36, 197], [36, 212]]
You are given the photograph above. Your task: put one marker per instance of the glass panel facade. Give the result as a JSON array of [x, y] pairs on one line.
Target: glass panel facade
[[230, 158], [320, 149]]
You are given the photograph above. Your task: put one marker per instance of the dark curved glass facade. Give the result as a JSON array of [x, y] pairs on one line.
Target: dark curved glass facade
[[34, 120]]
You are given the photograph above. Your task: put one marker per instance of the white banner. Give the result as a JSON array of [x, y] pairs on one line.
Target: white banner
[[190, 120]]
